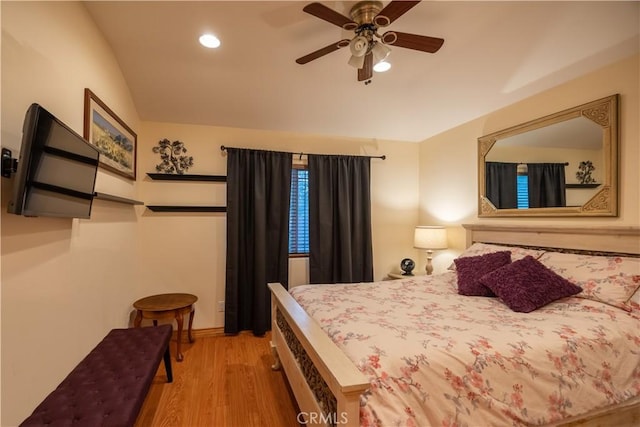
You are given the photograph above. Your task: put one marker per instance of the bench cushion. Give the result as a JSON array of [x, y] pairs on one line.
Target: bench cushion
[[108, 387]]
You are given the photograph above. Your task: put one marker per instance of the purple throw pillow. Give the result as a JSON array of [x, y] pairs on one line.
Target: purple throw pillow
[[471, 269], [526, 285]]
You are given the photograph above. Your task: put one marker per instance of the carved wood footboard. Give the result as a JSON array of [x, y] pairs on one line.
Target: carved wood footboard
[[326, 384]]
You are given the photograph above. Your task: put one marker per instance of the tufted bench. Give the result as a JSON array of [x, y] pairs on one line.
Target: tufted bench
[[108, 387]]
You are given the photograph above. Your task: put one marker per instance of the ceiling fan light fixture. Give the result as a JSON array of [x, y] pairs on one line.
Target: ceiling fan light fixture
[[359, 46], [381, 67], [210, 41], [357, 61], [380, 52]]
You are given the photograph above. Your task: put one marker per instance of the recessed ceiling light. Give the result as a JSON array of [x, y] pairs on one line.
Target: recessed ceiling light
[[209, 40], [382, 66]]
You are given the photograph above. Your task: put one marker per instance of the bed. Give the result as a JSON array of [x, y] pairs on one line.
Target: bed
[[457, 360]]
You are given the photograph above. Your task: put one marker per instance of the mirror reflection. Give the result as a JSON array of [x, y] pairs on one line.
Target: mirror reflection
[[539, 169], [561, 164]]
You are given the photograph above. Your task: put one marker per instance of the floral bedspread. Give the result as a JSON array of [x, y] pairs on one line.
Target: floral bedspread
[[436, 358]]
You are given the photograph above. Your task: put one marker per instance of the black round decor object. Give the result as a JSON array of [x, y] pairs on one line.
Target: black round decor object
[[407, 265]]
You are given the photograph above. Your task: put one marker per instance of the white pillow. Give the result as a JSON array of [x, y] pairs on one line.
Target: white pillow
[[485, 248], [609, 279]]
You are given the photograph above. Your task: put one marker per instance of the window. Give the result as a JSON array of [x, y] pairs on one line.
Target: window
[[523, 191], [299, 212]]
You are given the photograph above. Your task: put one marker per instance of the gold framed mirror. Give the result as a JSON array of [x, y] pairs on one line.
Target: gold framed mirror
[[563, 164]]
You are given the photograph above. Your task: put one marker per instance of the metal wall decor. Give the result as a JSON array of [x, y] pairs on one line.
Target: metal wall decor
[[173, 156], [584, 172]]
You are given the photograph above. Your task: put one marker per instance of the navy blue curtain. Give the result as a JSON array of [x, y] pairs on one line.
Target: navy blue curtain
[[340, 243], [258, 189], [547, 187]]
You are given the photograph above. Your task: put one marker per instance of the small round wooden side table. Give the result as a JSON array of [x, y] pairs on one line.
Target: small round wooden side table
[[164, 306]]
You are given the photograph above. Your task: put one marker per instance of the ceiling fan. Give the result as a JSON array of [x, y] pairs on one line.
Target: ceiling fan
[[366, 17]]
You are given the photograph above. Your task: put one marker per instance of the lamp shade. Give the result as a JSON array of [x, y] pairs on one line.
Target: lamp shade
[[356, 61], [380, 52], [358, 47], [430, 237]]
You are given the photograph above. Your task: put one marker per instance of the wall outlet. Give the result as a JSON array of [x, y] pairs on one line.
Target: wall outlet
[[220, 306]]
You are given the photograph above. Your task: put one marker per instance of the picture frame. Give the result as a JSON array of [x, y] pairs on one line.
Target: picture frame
[[114, 139]]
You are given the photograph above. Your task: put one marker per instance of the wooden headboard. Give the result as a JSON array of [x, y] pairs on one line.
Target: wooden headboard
[[616, 239]]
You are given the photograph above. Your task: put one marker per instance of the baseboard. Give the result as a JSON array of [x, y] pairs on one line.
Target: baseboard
[[201, 333], [208, 332]]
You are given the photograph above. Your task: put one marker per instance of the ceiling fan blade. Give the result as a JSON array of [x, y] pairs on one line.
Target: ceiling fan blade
[[366, 72], [322, 52], [412, 41], [393, 11], [323, 12]]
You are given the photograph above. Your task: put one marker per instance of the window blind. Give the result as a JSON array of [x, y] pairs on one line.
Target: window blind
[[523, 191], [299, 212]]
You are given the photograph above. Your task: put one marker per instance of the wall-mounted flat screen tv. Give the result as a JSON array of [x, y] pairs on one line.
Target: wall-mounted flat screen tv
[[56, 171]]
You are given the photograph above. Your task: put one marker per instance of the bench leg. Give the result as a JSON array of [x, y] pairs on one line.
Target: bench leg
[[167, 365]]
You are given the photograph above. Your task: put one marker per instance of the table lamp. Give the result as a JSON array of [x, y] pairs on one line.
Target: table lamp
[[430, 238]]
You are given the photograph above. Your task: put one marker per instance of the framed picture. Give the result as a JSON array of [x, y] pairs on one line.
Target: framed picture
[[115, 141]]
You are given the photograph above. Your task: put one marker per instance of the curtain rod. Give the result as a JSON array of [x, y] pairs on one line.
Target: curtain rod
[[524, 163], [383, 157]]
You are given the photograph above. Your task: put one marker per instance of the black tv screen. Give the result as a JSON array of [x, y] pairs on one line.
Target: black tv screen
[[56, 171]]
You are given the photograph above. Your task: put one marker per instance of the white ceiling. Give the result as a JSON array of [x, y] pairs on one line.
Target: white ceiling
[[494, 54]]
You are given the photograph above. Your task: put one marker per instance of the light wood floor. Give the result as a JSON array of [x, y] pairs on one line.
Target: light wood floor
[[223, 381]]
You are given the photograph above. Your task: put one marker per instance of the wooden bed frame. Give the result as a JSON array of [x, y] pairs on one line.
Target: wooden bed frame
[[327, 385]]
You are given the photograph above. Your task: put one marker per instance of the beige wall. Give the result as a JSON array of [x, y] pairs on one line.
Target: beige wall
[[65, 282], [448, 161], [186, 252]]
